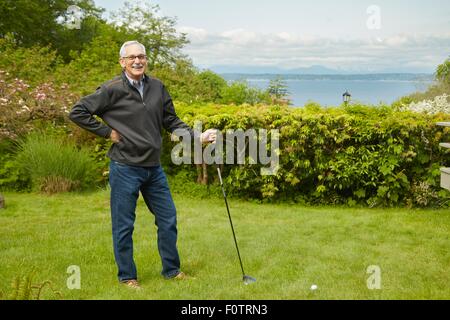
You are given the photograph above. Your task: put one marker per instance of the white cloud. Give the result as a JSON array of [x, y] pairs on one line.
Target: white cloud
[[291, 50], [240, 37], [195, 34]]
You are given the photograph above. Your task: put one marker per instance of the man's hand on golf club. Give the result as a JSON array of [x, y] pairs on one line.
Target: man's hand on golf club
[[209, 135]]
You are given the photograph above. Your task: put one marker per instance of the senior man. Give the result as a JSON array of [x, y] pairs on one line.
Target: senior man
[[135, 108]]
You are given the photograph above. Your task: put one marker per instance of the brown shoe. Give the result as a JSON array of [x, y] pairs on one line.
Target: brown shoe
[[182, 276], [132, 283]]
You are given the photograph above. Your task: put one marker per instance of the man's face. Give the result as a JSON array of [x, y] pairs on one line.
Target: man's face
[[135, 68]]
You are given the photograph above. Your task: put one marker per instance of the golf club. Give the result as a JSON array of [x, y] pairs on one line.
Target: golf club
[[247, 279]]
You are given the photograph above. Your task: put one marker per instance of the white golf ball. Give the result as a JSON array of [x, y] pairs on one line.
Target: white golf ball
[[314, 287]]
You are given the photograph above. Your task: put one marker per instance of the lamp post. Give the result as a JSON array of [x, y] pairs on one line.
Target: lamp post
[[346, 97]]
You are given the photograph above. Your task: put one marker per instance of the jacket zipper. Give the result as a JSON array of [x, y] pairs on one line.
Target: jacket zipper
[[135, 89]]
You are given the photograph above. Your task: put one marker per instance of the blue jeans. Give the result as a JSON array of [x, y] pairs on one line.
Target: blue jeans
[[126, 182]]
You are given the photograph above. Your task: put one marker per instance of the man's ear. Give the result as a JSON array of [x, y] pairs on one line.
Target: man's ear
[[122, 63]]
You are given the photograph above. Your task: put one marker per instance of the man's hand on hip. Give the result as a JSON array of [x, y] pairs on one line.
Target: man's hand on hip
[[115, 136]]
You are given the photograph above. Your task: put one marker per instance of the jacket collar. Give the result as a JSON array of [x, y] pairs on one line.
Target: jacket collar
[[125, 78]]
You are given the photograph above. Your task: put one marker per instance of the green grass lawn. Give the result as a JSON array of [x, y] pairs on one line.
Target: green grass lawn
[[286, 247]]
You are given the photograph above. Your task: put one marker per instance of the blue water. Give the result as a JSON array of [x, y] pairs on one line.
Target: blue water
[[329, 92]]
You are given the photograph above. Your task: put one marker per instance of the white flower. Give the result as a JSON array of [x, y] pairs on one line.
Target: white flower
[[440, 104]]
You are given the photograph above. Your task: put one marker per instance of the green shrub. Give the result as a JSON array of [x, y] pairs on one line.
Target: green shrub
[[12, 175], [184, 182], [55, 165], [373, 156]]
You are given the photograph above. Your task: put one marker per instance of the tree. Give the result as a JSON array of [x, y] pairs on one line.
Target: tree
[[212, 85], [278, 90], [180, 79], [38, 22], [67, 41], [239, 92], [157, 33], [31, 22], [97, 63], [443, 72], [34, 64]]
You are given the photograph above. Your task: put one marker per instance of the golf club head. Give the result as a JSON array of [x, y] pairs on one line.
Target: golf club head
[[247, 280]]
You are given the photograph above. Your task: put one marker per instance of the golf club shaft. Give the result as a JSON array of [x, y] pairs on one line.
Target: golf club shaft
[[229, 217]]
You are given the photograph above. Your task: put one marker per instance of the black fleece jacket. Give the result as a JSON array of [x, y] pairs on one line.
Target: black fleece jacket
[[139, 121]]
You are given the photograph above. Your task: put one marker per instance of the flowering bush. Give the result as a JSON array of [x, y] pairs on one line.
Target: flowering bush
[[440, 104], [22, 107]]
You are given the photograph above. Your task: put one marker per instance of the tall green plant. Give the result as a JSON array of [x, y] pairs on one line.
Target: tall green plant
[[54, 164]]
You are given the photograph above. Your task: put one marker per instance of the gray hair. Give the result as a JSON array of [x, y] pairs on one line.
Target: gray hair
[[130, 43]]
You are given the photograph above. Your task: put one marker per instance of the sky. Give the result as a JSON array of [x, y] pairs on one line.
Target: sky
[[353, 36]]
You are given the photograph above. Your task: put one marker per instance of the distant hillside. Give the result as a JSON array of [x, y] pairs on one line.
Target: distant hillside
[[373, 77], [274, 70], [312, 70]]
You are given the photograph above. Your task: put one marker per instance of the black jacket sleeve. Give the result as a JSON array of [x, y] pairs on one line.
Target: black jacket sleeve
[[84, 110], [170, 118]]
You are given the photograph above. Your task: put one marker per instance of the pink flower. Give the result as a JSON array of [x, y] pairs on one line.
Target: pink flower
[[41, 96]]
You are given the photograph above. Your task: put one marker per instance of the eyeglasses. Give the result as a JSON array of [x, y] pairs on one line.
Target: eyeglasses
[[141, 57]]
